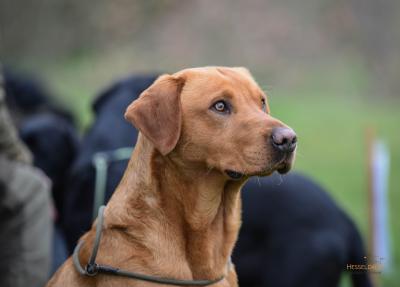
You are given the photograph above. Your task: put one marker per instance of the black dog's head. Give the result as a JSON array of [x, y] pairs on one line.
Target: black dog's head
[[53, 142]]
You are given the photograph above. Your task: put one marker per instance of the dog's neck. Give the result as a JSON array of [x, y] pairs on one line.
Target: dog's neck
[[195, 213]]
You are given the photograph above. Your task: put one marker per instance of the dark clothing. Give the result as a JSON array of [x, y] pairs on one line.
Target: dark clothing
[[25, 224], [49, 132], [10, 145], [25, 219]]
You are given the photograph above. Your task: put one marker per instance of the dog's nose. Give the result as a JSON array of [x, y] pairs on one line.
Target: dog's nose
[[284, 139]]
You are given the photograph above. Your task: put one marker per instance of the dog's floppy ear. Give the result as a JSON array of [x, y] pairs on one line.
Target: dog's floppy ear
[[157, 113]]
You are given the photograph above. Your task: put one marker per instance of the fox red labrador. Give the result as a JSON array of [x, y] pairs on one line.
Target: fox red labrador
[[176, 214]]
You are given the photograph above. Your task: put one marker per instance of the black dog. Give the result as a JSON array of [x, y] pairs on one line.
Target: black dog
[[27, 96], [54, 144], [293, 234]]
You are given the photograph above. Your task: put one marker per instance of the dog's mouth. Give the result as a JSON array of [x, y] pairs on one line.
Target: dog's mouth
[[283, 166]]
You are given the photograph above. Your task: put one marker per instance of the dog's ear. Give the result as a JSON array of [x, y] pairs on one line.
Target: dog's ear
[[157, 113]]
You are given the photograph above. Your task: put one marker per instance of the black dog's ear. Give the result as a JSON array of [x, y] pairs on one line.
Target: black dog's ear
[[157, 113]]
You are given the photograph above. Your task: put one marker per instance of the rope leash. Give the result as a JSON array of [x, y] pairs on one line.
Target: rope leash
[[92, 268], [101, 162]]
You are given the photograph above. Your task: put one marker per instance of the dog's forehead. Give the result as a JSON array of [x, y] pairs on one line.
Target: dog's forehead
[[211, 80]]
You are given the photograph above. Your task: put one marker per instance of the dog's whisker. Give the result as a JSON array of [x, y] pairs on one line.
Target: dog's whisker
[[258, 180], [209, 170], [246, 172], [280, 180]]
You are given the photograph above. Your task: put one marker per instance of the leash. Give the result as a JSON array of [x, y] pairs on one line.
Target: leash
[[101, 160], [92, 268]]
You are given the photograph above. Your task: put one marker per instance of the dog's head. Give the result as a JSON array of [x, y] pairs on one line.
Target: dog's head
[[217, 117]]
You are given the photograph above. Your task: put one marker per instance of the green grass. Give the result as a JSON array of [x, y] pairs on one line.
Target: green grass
[[327, 109]]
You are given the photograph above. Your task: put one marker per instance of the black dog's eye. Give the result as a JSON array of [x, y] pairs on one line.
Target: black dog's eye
[[264, 105], [221, 107]]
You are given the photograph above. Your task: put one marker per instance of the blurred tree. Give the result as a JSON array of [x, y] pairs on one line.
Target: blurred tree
[[283, 36]]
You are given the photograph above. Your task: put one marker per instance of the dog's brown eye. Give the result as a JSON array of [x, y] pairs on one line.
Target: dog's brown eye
[[221, 107]]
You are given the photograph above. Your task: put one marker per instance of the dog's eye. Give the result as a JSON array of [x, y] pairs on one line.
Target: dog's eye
[[264, 105], [221, 107]]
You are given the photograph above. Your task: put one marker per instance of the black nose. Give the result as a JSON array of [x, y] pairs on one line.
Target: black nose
[[284, 139]]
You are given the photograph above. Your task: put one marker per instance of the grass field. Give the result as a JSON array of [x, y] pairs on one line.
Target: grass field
[[330, 120]]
